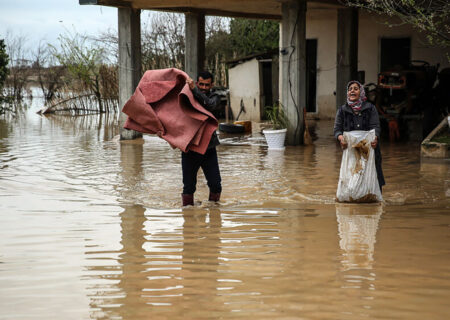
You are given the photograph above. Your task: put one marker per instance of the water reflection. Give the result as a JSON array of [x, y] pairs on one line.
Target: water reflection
[[100, 127], [133, 278], [432, 170], [5, 130], [131, 172], [200, 260], [124, 277], [157, 269], [274, 159], [358, 226], [130, 302]]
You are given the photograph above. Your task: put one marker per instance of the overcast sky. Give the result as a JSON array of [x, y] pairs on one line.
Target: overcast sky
[[46, 19]]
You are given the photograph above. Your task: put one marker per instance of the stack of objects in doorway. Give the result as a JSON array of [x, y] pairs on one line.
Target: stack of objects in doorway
[[164, 105], [358, 176]]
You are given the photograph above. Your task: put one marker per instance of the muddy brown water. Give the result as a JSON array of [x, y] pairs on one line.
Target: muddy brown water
[[91, 228]]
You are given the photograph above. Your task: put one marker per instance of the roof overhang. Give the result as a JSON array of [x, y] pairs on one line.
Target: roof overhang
[[260, 9]]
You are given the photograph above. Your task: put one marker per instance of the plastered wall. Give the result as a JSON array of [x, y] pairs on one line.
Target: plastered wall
[[244, 82], [321, 24]]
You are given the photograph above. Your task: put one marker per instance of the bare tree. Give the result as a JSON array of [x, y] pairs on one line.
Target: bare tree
[[163, 42], [218, 49], [49, 73], [19, 66]]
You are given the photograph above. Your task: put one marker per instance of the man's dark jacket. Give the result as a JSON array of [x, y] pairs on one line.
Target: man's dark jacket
[[211, 102]]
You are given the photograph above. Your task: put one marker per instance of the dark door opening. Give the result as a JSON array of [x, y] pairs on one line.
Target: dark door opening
[[395, 53], [311, 74], [267, 96]]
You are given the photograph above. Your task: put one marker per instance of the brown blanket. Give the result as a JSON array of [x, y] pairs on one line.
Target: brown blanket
[[164, 105]]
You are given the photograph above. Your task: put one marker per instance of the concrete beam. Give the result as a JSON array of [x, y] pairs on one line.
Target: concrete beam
[[293, 67], [194, 58], [130, 70], [347, 52]]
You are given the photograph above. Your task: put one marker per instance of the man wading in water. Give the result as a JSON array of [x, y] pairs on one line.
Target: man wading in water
[[191, 161]]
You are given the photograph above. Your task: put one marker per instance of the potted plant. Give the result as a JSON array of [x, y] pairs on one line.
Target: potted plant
[[276, 135]]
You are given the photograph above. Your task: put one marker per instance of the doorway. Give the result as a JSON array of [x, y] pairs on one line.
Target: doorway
[[267, 78], [311, 75]]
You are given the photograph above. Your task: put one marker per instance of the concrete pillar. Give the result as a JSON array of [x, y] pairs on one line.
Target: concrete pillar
[[293, 67], [347, 52], [194, 57], [130, 70]]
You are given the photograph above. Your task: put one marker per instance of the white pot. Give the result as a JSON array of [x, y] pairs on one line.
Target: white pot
[[275, 138]]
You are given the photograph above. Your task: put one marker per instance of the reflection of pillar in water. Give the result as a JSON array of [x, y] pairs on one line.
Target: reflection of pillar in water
[[357, 229], [131, 154], [133, 279], [119, 282], [124, 299]]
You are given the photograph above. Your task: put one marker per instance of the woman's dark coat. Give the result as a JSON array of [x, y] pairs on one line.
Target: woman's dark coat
[[367, 119]]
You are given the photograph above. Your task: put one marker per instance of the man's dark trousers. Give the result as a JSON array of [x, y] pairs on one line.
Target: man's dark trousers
[[191, 161]]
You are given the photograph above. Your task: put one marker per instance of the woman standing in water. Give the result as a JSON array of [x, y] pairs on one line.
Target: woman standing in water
[[359, 114]]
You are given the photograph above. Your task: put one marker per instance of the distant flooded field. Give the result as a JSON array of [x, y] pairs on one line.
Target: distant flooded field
[[92, 228]]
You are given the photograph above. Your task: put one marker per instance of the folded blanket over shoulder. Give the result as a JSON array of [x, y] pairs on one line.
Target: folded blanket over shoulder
[[164, 105]]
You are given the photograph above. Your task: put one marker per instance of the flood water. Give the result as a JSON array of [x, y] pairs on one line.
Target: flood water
[[91, 228]]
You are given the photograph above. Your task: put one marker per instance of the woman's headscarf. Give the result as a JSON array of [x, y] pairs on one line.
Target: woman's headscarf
[[356, 105]]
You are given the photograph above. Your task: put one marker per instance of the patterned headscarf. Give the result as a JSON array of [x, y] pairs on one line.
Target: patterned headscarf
[[356, 105]]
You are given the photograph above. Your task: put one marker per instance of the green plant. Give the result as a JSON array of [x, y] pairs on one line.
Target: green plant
[[276, 116], [4, 71], [249, 36], [4, 60]]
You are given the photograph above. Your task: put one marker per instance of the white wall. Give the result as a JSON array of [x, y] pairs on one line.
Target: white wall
[[244, 84], [321, 24]]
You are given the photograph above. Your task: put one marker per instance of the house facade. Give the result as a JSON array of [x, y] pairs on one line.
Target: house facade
[[382, 45]]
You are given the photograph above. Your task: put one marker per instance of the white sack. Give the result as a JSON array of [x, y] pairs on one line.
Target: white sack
[[358, 176]]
